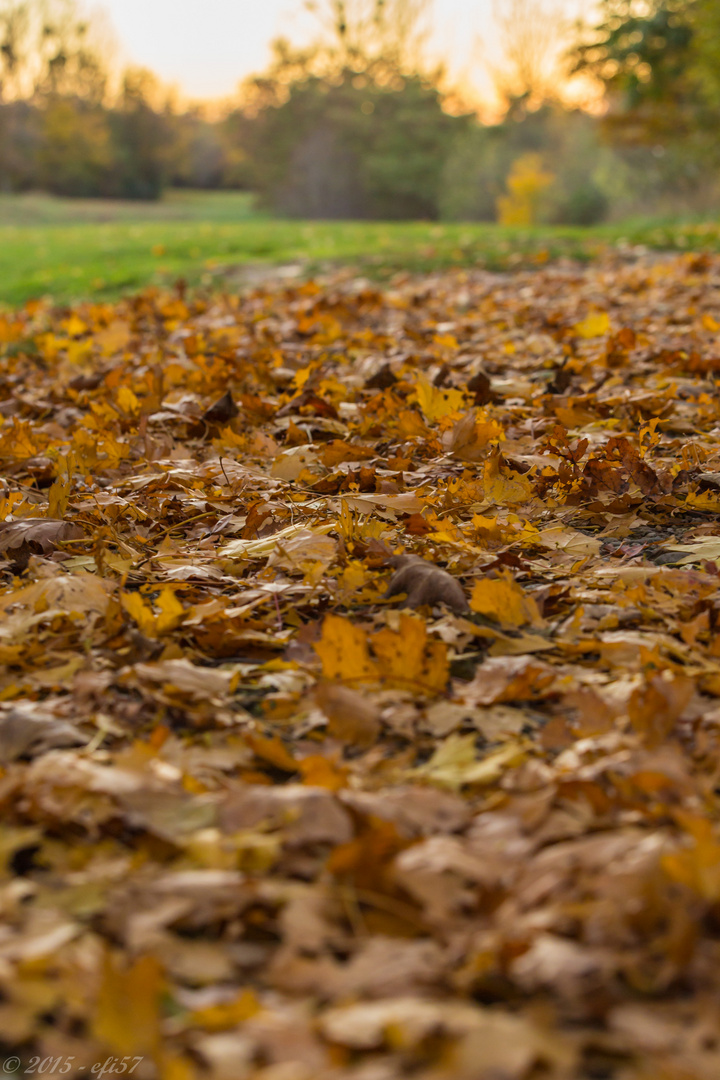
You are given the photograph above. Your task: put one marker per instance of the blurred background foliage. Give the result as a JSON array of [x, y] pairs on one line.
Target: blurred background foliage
[[359, 126]]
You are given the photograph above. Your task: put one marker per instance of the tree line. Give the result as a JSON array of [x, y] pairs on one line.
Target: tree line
[[359, 126]]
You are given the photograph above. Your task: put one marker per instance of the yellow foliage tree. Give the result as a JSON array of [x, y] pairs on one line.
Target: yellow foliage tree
[[526, 183]]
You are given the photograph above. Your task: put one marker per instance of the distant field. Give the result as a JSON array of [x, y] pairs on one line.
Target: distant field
[[74, 249]]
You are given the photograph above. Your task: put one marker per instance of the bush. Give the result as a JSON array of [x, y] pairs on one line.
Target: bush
[[75, 156], [585, 204], [481, 170], [368, 144], [527, 183]]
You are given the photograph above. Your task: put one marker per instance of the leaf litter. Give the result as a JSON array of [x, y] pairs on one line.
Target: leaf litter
[[360, 686]]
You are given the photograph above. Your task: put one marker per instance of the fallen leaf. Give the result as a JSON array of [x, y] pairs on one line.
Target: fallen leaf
[[42, 534], [351, 717], [267, 546], [594, 326], [425, 583], [343, 650], [407, 656], [222, 410], [127, 1011], [27, 730], [455, 763], [504, 485], [506, 602], [303, 550]]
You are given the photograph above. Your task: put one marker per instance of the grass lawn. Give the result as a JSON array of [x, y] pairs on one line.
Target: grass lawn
[[72, 249]]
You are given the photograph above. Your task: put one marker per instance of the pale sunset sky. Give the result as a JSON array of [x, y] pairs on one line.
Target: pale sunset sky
[[205, 47]]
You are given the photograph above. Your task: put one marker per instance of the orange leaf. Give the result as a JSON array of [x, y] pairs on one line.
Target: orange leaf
[[343, 650], [506, 602], [407, 657]]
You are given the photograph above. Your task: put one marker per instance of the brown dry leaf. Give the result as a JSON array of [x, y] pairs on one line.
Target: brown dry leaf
[[509, 679], [656, 707], [27, 730], [42, 534], [352, 718], [304, 815], [414, 810], [304, 551], [470, 437], [187, 678], [291, 463], [425, 583], [265, 546], [406, 1020], [511, 1046], [81, 593], [222, 410]]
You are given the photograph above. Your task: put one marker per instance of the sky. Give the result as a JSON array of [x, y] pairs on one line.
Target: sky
[[206, 47]]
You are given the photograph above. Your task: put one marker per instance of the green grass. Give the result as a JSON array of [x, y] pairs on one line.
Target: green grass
[[75, 249]]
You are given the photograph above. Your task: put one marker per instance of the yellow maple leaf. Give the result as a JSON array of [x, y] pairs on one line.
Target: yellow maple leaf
[[114, 338], [410, 424], [594, 326], [354, 576], [9, 331], [171, 611], [402, 657], [74, 326], [343, 650], [503, 485], [704, 500], [152, 625], [137, 609], [318, 771], [178, 1068], [21, 440], [407, 656], [503, 600], [114, 449], [127, 1015], [455, 763], [435, 403], [11, 504], [127, 401], [58, 498]]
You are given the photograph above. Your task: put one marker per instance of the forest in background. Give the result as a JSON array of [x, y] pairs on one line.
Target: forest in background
[[360, 126]]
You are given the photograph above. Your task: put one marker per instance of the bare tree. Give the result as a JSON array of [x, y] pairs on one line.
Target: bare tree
[[367, 30], [49, 46], [532, 33]]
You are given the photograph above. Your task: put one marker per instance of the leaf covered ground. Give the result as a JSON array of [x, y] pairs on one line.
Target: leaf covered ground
[[360, 687]]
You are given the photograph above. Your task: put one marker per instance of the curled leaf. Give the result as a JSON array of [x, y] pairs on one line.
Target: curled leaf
[[425, 583], [37, 535], [222, 410]]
